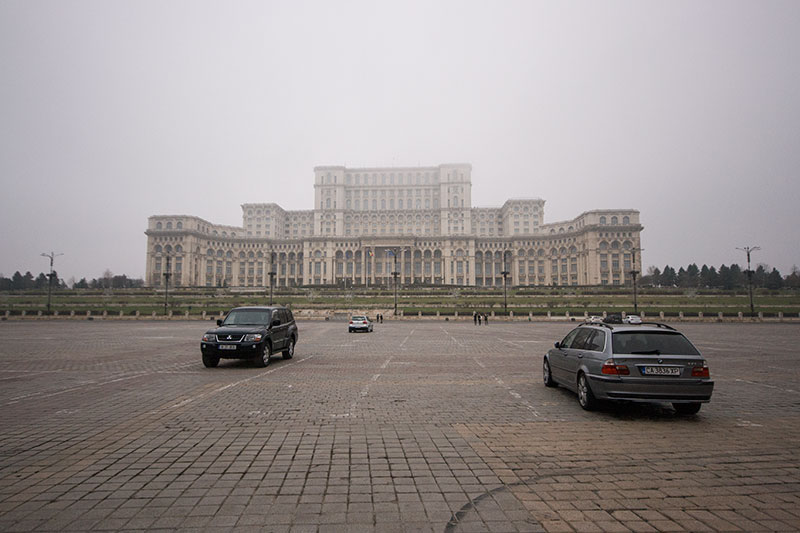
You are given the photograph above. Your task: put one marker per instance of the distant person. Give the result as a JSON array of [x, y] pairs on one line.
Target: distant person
[[479, 319], [485, 320], [475, 317]]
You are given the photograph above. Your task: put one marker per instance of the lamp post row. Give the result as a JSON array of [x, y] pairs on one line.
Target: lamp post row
[[395, 274]]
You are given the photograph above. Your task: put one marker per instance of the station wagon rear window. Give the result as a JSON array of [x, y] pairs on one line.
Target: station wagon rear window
[[651, 343]]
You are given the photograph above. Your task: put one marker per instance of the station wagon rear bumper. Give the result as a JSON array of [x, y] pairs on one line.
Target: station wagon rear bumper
[[651, 389]]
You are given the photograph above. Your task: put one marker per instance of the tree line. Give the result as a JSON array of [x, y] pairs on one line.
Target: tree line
[[725, 277], [27, 281]]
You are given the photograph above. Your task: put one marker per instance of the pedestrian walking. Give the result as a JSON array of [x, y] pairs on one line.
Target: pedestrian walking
[[485, 320], [479, 319], [475, 317]]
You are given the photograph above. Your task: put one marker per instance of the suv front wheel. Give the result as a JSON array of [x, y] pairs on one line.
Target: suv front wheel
[[210, 361], [266, 352], [288, 353]]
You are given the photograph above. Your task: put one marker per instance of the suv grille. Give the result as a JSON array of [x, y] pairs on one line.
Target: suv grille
[[229, 338]]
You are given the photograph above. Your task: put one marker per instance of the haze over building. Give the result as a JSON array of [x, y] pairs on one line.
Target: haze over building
[[417, 221]]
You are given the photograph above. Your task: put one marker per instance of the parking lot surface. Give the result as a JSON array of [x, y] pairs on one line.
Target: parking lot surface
[[418, 426]]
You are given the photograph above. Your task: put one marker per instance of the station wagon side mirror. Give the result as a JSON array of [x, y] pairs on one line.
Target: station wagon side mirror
[[276, 322], [557, 344], [219, 321]]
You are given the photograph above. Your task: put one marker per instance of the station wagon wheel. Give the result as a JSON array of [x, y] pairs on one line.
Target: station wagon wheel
[[547, 376], [585, 396], [687, 408], [289, 351], [266, 352], [210, 361]]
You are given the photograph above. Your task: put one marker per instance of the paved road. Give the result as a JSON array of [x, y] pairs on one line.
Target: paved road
[[419, 426]]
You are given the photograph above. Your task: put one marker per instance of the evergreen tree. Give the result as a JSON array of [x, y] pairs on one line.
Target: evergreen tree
[[726, 280], [668, 277], [774, 280], [793, 279], [760, 276], [41, 281], [693, 275]]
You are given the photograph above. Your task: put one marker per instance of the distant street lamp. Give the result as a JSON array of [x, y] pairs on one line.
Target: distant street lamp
[[633, 274], [52, 256], [505, 273], [271, 275], [748, 250], [395, 275], [167, 275]]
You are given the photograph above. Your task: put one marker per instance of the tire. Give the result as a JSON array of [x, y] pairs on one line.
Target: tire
[[687, 408], [263, 359], [585, 395], [288, 353], [350, 330], [547, 376], [210, 361]]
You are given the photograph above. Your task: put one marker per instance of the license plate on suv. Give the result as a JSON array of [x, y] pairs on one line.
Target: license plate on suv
[[661, 370], [227, 346]]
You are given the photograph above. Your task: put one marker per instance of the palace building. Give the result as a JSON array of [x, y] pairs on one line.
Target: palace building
[[368, 223]]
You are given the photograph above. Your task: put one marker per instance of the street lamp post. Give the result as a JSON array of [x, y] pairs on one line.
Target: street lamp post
[[505, 274], [51, 256], [633, 274], [395, 275], [748, 250], [271, 275], [167, 275]]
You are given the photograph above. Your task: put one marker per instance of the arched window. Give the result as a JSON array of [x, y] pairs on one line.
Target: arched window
[[626, 220], [179, 225], [602, 221], [614, 221], [158, 225], [169, 225], [157, 249]]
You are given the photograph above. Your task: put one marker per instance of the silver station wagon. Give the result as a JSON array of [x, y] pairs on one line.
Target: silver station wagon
[[647, 362]]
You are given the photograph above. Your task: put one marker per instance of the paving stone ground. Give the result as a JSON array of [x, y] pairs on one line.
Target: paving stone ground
[[419, 426]]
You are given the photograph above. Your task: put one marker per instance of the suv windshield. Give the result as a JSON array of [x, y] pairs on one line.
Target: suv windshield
[[651, 342], [247, 317]]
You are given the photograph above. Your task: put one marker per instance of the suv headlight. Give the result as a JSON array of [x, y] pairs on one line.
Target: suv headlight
[[253, 337], [209, 337]]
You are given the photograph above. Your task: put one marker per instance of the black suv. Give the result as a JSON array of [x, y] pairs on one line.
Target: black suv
[[251, 333]]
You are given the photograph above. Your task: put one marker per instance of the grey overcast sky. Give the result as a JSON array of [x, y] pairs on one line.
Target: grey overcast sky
[[110, 112]]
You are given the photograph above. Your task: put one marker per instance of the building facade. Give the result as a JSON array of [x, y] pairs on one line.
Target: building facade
[[368, 223]]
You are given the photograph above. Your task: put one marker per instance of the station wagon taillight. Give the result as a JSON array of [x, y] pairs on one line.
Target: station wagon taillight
[[701, 371], [609, 368]]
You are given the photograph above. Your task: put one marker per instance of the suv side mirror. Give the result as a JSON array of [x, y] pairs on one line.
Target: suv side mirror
[[276, 322], [219, 321], [557, 345]]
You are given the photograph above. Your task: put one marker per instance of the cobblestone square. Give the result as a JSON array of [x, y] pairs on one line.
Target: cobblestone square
[[419, 426]]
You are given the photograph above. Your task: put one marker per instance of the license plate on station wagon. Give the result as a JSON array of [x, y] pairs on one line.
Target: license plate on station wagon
[[227, 346], [661, 370]]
